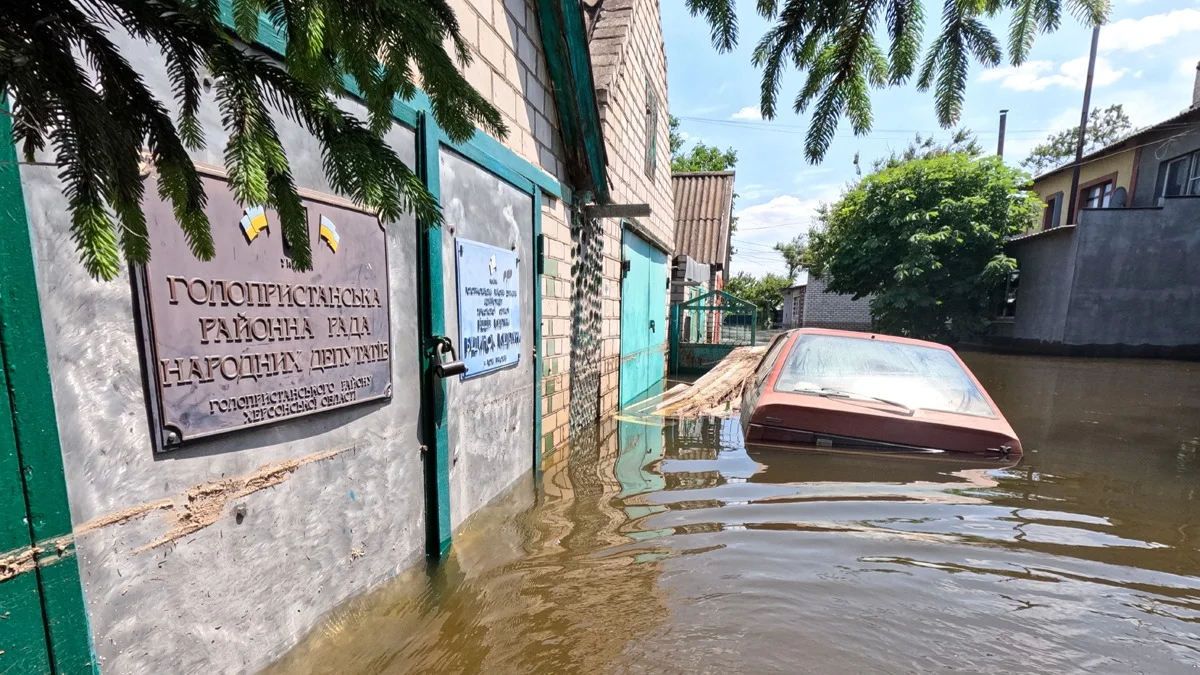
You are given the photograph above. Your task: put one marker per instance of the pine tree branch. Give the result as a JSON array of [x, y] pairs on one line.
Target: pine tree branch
[[98, 120]]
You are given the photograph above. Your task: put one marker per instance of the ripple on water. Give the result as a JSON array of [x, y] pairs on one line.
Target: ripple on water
[[672, 548]]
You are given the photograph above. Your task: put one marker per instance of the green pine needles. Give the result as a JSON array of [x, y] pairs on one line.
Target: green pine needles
[[849, 47], [72, 90]]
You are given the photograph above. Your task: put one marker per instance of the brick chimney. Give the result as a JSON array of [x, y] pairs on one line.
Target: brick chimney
[[1196, 89]]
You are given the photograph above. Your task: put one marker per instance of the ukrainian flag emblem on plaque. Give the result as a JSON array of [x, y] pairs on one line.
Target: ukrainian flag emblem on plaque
[[330, 234], [254, 220]]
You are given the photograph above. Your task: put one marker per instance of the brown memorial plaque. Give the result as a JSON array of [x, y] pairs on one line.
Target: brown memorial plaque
[[245, 339]]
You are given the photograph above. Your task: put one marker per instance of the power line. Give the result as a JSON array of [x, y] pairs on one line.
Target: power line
[[801, 129], [796, 129]]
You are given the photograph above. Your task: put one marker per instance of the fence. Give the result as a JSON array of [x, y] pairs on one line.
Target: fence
[[705, 329]]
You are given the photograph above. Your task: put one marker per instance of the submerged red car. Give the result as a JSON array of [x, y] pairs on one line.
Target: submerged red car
[[832, 388]]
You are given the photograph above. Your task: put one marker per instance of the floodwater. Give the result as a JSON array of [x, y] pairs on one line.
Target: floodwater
[[672, 548]]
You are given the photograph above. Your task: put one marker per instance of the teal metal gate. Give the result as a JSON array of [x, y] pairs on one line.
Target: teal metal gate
[[705, 329]]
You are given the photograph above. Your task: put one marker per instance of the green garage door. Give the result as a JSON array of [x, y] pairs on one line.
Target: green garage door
[[643, 317]]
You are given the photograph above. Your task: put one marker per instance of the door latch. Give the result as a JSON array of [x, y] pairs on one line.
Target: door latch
[[441, 367], [652, 329]]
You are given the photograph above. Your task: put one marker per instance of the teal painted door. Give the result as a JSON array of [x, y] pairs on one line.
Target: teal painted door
[[643, 317], [23, 646]]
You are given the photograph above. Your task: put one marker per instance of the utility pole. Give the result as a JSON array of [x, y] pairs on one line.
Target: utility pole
[[1000, 143], [1073, 201]]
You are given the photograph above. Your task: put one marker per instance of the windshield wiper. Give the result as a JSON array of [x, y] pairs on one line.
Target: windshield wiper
[[838, 393]]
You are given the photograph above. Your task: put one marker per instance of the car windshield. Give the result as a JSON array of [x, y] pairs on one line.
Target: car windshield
[[910, 375]]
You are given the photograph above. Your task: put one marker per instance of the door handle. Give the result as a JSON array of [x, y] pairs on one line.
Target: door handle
[[652, 329]]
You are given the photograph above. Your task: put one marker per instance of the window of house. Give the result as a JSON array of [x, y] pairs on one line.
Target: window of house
[[1048, 215], [1006, 307], [1094, 195], [1098, 196], [651, 129], [1182, 176]]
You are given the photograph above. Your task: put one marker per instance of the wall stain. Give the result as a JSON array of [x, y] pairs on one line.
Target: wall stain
[[124, 515], [195, 509], [19, 561], [203, 504]]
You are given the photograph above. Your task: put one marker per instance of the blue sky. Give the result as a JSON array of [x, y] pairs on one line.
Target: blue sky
[[1147, 61]]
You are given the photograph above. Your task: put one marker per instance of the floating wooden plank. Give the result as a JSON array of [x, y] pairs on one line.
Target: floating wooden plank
[[717, 392]]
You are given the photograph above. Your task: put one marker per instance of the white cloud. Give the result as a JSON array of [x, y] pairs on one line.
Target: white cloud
[[778, 220], [753, 191], [750, 112], [1040, 75], [1146, 107], [1135, 35]]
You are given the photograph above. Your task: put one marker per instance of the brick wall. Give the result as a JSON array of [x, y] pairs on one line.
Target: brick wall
[[627, 51], [830, 310], [510, 69], [581, 284]]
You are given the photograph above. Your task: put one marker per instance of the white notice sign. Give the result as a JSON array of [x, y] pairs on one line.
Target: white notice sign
[[489, 307]]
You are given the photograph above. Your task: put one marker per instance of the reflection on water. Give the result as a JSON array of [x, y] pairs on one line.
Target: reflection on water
[[655, 548]]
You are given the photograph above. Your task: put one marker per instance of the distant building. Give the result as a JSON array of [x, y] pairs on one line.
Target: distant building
[[1121, 275], [823, 309], [793, 305], [703, 214]]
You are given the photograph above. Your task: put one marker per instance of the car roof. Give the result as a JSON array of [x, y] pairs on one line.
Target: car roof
[[880, 337]]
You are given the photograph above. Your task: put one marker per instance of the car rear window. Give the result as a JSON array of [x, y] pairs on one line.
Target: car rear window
[[915, 376]]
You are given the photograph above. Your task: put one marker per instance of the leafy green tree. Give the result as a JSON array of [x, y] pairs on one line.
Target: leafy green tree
[[1105, 126], [73, 90], [699, 157], [766, 293], [847, 48], [793, 253], [927, 147], [926, 239]]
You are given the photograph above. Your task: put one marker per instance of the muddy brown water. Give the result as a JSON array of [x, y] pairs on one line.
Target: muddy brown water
[[673, 548]]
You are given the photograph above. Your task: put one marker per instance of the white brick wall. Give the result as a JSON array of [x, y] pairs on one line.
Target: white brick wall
[[627, 48], [510, 69], [831, 310]]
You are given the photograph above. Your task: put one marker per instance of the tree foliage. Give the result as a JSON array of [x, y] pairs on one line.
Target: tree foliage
[[1105, 126], [699, 157], [793, 253], [847, 48], [961, 141], [766, 293], [925, 238], [73, 90]]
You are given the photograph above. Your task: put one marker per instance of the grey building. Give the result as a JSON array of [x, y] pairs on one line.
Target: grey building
[[793, 305], [823, 309]]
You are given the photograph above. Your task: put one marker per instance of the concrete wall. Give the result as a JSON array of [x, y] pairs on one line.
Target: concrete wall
[[1125, 281], [823, 309], [329, 505], [1047, 264], [1137, 277], [234, 594]]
